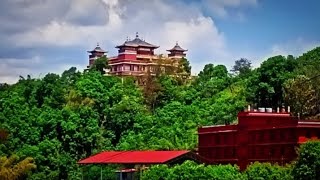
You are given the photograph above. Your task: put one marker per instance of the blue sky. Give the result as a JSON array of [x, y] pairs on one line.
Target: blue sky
[[41, 36]]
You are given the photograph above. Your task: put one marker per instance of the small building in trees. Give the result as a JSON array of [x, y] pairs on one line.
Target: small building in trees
[[137, 58], [133, 162], [259, 136], [96, 53], [177, 52]]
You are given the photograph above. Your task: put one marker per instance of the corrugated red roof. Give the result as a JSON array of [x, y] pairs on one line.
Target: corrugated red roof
[[133, 157]]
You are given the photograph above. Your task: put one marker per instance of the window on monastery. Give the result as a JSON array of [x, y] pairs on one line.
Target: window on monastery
[[233, 152], [225, 139], [251, 137], [282, 151], [272, 135], [271, 152], [221, 153], [278, 135], [308, 134], [256, 136], [283, 135], [291, 134], [213, 153], [259, 152], [261, 136], [253, 152], [217, 139]]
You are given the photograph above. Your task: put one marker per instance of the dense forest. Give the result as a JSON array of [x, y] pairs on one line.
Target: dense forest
[[48, 124]]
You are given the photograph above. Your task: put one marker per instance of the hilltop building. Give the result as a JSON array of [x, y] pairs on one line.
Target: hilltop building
[[259, 136], [95, 54], [137, 58]]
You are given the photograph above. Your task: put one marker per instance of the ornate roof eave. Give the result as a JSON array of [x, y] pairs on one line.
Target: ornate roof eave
[[177, 48], [97, 49], [154, 47], [170, 50], [137, 42], [125, 45]]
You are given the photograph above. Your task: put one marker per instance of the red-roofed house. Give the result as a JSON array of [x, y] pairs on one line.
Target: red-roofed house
[[137, 159]]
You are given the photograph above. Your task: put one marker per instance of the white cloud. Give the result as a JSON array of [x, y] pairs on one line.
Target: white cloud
[[11, 68], [220, 7], [161, 22], [57, 34], [158, 22]]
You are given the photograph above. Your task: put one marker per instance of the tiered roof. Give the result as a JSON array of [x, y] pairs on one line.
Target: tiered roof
[[177, 48], [137, 42], [97, 49]]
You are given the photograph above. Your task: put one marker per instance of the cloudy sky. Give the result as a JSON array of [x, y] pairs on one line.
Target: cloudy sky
[[41, 36]]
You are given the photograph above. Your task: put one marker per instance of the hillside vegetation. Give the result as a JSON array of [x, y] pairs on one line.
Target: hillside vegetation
[[60, 119]]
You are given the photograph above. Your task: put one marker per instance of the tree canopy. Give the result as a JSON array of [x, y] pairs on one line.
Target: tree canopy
[[59, 119]]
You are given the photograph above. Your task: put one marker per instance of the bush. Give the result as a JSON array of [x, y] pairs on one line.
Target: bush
[[307, 166], [190, 170]]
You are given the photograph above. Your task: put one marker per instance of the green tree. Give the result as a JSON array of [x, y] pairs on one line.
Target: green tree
[[268, 81], [308, 66], [11, 168], [212, 80], [156, 172], [267, 171], [193, 171], [242, 67], [184, 66], [301, 95], [100, 64], [307, 166]]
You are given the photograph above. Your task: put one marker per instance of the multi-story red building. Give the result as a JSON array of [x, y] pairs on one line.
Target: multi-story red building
[[137, 58], [258, 136]]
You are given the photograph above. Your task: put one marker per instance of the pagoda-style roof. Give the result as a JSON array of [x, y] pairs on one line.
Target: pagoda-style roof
[[97, 49], [177, 48], [137, 42]]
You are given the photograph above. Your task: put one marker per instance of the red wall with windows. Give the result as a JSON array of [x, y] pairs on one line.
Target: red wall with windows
[[258, 136]]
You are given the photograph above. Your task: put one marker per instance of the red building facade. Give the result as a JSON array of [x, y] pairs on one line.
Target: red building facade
[[258, 136], [137, 58]]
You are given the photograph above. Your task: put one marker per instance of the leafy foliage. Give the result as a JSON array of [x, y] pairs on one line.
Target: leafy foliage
[[302, 95], [60, 119], [100, 64], [191, 170], [10, 169], [267, 84], [267, 171], [308, 67], [308, 164], [242, 67]]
